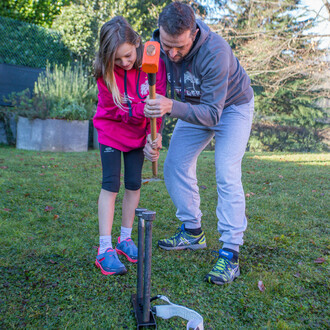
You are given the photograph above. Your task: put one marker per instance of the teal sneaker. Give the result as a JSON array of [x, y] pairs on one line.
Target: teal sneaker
[[128, 249], [109, 263], [225, 270], [182, 240]]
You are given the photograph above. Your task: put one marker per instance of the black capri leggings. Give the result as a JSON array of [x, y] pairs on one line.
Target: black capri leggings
[[111, 164]]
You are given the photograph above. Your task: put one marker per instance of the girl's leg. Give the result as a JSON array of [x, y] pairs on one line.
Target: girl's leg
[[133, 162], [111, 163], [107, 259], [106, 209], [130, 203]]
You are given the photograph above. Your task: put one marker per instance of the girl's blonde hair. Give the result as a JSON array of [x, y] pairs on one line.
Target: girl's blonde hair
[[113, 34]]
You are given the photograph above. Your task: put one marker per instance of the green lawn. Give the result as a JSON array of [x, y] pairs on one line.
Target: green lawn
[[49, 234]]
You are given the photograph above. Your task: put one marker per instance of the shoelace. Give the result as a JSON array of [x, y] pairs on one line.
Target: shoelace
[[221, 262], [177, 233]]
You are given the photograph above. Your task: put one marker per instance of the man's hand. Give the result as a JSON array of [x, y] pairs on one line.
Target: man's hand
[[157, 107]]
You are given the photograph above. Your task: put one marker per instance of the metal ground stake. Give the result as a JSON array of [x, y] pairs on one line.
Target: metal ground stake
[[141, 300], [139, 284], [149, 217]]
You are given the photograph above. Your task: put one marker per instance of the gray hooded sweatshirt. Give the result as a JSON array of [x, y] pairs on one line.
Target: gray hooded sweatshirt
[[207, 80]]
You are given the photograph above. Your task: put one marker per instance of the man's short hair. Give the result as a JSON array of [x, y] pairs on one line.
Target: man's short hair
[[177, 18]]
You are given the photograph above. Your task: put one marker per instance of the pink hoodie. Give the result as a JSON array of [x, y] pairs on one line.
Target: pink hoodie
[[115, 127]]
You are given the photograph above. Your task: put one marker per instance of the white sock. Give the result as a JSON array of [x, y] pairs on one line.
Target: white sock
[[105, 243], [125, 233]]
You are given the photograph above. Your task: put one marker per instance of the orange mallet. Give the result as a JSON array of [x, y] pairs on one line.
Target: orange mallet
[[150, 62]]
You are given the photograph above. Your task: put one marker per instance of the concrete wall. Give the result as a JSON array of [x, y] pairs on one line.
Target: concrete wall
[[52, 135]]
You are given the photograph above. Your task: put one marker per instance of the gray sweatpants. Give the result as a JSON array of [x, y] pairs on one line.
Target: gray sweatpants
[[188, 141]]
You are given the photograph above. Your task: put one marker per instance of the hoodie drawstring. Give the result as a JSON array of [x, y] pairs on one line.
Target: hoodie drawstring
[[182, 81], [126, 95], [137, 91]]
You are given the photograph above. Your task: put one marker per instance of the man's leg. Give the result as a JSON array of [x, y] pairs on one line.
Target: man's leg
[[180, 178], [187, 143], [231, 135]]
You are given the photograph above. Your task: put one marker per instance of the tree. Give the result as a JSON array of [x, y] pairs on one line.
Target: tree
[[40, 12], [327, 6], [80, 21], [285, 65]]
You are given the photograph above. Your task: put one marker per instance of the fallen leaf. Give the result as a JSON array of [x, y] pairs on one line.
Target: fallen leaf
[[203, 187], [261, 286], [319, 260], [4, 167], [52, 261], [48, 208], [313, 190], [145, 182], [7, 210], [56, 216], [247, 195], [280, 176], [296, 275]]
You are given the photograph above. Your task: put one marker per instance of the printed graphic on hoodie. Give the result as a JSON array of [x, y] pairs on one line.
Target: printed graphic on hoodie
[[191, 85], [144, 88]]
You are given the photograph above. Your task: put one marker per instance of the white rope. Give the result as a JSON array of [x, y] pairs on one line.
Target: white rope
[[195, 320]]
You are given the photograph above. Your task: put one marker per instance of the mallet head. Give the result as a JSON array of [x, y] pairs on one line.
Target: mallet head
[[150, 58]]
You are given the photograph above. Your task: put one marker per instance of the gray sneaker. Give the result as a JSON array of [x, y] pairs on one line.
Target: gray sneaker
[[182, 240]]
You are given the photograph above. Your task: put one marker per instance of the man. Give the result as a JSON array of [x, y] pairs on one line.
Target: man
[[216, 100]]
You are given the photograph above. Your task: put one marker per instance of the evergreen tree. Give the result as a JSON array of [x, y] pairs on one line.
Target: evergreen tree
[[286, 68]]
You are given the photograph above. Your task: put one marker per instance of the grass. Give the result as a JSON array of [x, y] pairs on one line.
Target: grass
[[49, 234]]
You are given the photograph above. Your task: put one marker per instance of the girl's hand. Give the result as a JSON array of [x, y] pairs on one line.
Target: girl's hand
[[157, 143], [157, 107], [150, 153]]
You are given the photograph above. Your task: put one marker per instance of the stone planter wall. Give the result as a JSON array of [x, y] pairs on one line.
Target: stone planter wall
[[52, 135]]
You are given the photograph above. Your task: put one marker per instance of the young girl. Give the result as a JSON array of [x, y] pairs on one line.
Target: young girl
[[122, 128]]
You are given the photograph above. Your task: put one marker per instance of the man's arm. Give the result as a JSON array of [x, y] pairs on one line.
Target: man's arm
[[214, 84]]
